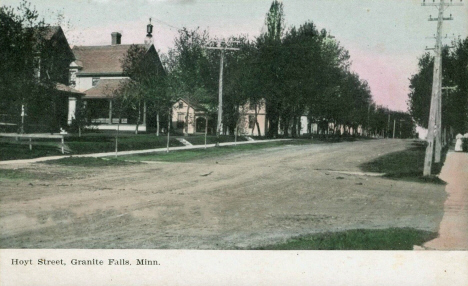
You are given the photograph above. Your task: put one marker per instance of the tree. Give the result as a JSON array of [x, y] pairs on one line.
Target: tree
[[148, 78], [20, 42], [270, 73], [192, 71], [454, 102], [240, 84]]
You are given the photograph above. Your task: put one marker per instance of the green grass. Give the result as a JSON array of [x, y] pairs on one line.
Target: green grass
[[212, 139], [406, 165], [106, 143], [8, 174], [14, 151], [89, 143], [90, 162], [359, 239], [213, 152]]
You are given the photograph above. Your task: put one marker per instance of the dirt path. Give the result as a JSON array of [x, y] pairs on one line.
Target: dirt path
[[247, 199], [453, 232]]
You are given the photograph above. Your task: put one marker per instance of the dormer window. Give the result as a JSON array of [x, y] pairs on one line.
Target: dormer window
[[72, 77], [95, 81]]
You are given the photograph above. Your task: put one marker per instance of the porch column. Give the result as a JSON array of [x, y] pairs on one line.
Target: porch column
[[110, 111], [71, 109]]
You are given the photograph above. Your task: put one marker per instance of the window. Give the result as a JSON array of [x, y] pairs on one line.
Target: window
[[180, 117], [181, 105], [180, 120], [95, 81], [252, 106], [72, 78]]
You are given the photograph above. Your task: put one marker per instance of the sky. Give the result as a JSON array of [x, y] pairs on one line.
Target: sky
[[384, 37]]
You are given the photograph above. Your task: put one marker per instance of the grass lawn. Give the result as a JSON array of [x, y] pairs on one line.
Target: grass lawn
[[106, 143], [13, 151], [406, 165], [359, 239], [212, 139], [8, 174], [90, 162], [195, 154], [86, 144]]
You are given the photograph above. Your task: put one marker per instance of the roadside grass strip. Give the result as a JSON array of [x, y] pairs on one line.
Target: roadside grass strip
[[211, 152], [406, 165], [358, 239], [14, 151], [91, 162], [9, 174]]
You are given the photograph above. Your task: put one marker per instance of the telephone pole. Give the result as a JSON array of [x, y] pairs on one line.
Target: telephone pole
[[435, 113], [220, 96]]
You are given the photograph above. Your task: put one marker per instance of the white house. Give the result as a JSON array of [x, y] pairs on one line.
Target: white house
[[97, 72]]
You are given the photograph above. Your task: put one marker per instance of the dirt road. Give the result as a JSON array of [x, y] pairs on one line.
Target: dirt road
[[248, 199]]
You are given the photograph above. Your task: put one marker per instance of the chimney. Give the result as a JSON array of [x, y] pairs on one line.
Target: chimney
[[116, 38]]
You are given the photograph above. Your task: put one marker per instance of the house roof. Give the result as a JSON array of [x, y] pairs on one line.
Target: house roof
[[104, 88], [68, 89], [100, 59], [50, 35], [49, 32], [194, 104]]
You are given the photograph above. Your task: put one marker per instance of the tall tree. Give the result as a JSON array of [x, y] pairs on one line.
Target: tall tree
[[142, 65], [21, 41], [454, 101], [270, 72], [192, 70]]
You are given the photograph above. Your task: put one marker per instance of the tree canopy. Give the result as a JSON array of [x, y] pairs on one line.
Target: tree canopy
[[455, 75]]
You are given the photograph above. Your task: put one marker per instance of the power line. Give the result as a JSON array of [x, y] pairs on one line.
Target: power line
[[164, 23]]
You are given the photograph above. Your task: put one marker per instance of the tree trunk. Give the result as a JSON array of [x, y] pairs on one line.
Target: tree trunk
[[168, 130], [294, 125], [157, 123], [138, 118], [286, 127], [206, 129], [186, 123], [117, 135], [256, 122]]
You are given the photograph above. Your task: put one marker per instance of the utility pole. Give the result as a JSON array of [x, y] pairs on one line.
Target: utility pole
[[220, 96], [435, 113]]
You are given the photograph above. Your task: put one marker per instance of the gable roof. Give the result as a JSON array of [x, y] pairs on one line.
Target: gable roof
[[193, 104], [51, 35], [104, 88], [48, 32], [100, 59], [67, 89]]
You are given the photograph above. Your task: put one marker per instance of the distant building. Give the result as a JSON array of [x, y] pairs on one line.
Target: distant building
[[97, 72], [197, 116], [247, 124]]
